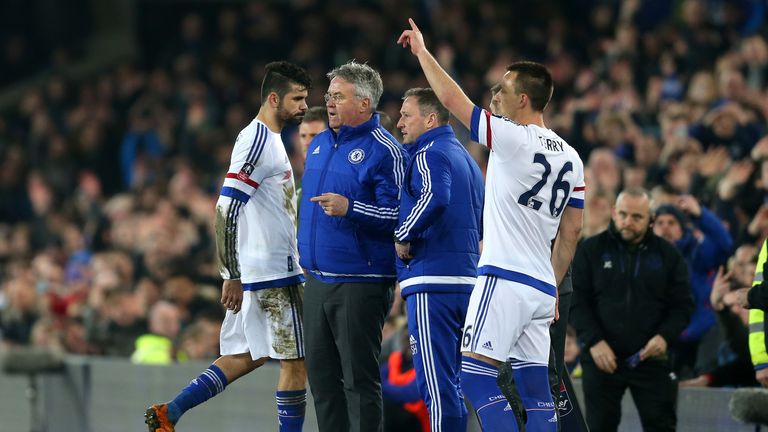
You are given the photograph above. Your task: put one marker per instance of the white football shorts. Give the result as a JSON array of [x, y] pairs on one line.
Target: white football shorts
[[268, 325], [508, 319]]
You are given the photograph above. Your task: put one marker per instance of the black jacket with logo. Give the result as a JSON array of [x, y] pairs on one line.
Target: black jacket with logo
[[627, 295]]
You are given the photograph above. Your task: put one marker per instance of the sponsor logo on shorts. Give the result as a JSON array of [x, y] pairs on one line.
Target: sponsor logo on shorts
[[487, 345], [564, 403], [414, 348]]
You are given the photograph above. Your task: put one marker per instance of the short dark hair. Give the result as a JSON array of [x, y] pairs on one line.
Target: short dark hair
[[429, 103], [278, 77], [316, 113], [534, 80]]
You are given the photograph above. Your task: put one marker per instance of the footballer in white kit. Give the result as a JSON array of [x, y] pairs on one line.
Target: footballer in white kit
[[533, 174], [257, 211], [258, 260], [534, 198]]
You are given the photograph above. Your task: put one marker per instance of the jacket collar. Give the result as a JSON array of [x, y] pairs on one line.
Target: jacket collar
[[347, 133], [427, 137]]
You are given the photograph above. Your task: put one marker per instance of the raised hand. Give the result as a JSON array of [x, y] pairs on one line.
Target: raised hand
[[740, 171], [689, 205], [713, 161], [759, 223], [412, 38], [720, 287]]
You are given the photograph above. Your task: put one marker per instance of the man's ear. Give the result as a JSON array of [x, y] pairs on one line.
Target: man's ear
[[273, 99], [432, 119], [365, 105]]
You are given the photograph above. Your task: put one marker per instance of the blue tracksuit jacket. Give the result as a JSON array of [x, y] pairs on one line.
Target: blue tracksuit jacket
[[703, 257], [441, 210], [366, 165]]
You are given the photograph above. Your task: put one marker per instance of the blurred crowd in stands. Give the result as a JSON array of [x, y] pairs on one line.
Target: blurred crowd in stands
[[108, 184]]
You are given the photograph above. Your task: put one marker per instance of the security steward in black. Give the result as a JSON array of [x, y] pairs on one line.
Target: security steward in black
[[631, 300]]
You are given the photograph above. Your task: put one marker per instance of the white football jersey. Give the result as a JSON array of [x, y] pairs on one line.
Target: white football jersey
[[256, 213], [532, 175]]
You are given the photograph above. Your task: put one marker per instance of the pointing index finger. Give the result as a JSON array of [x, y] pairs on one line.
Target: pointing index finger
[[414, 27]]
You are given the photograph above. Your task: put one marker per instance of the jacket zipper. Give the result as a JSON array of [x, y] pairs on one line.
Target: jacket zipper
[[634, 271], [625, 260], [629, 282], [321, 183]]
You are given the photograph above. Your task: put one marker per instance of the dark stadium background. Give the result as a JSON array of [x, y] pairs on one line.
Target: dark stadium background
[[117, 118]]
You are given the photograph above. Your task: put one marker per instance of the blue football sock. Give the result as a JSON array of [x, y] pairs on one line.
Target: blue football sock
[[478, 381], [533, 385], [291, 405], [210, 383]]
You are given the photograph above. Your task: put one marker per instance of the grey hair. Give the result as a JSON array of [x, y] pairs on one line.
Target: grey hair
[[366, 80]]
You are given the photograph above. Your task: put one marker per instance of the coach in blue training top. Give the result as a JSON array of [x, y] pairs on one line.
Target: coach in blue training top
[[438, 246], [349, 208]]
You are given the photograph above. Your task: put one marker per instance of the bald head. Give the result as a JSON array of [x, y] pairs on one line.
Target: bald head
[[632, 215]]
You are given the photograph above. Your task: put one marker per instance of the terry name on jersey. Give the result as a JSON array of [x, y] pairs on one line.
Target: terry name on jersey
[[550, 144]]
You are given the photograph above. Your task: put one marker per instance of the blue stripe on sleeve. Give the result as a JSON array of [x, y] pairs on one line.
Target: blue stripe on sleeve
[[234, 194], [576, 202], [473, 123], [257, 146]]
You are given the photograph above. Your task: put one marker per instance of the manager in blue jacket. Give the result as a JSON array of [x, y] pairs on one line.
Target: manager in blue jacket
[[349, 208], [438, 245]]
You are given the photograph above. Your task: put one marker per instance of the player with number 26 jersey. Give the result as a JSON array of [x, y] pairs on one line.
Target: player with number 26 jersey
[[532, 175], [532, 218]]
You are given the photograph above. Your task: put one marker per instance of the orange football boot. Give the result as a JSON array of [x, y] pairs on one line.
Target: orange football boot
[[156, 418]]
